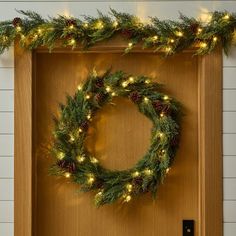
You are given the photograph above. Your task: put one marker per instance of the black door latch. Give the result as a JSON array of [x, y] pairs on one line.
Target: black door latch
[[188, 227]]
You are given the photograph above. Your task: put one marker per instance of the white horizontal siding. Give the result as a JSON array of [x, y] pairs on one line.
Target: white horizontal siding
[[6, 100], [7, 185], [6, 144], [6, 168], [229, 122], [229, 144], [6, 123], [229, 166], [230, 188], [230, 211], [7, 58], [229, 74], [6, 229], [6, 211], [229, 229]]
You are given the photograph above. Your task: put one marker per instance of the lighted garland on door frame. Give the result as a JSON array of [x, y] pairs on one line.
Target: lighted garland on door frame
[[167, 36], [74, 161]]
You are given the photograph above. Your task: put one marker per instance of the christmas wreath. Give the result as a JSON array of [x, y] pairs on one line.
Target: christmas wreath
[[74, 161]]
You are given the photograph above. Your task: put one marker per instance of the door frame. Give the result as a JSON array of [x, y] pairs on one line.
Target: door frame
[[209, 133]]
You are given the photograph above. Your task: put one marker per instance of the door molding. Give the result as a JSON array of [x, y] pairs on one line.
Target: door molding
[[209, 133]]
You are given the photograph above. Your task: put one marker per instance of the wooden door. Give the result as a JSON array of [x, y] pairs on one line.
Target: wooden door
[[119, 136]]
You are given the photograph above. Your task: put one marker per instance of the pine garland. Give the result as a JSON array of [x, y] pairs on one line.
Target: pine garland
[[167, 36], [74, 161]]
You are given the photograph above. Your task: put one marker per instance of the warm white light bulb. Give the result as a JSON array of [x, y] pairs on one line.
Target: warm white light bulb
[[94, 160], [108, 89], [130, 45], [131, 79], [124, 84], [80, 158], [128, 198], [179, 34], [129, 187], [60, 155], [165, 97], [135, 174], [67, 175]]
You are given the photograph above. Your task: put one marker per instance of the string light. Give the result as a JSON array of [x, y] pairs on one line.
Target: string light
[[108, 89], [172, 40], [79, 87], [72, 41], [147, 81], [203, 45], [99, 194], [163, 151], [130, 45], [35, 37], [99, 25], [155, 38], [87, 96], [124, 84], [162, 114], [22, 37], [131, 79], [135, 174], [167, 170], [226, 17], [168, 49], [72, 138], [148, 172], [179, 34], [113, 94], [4, 38], [67, 175], [199, 30], [160, 134], [146, 100], [40, 30], [71, 27], [89, 116], [18, 29], [127, 198], [80, 130], [165, 97], [129, 187], [85, 25], [91, 179], [115, 23], [80, 159], [60, 155], [215, 39], [94, 160]]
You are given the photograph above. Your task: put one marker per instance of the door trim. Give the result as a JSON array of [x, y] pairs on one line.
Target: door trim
[[209, 133]]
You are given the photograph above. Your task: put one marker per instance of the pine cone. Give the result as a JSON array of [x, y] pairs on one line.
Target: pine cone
[[158, 105], [71, 22], [135, 97], [175, 140], [194, 27], [84, 126], [62, 164], [100, 97], [16, 21], [138, 181], [71, 167], [127, 33], [99, 83], [166, 109]]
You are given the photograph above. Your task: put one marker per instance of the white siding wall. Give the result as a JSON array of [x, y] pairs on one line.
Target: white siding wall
[[163, 9]]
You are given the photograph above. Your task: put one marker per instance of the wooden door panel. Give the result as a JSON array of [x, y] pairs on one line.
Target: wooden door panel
[[119, 136]]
